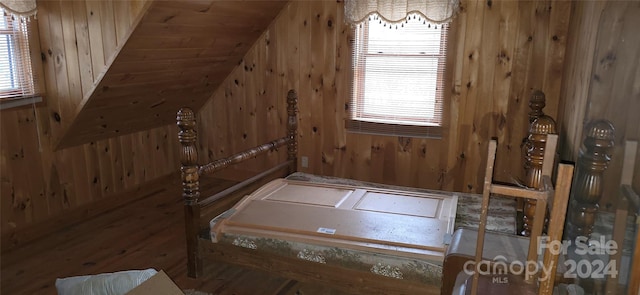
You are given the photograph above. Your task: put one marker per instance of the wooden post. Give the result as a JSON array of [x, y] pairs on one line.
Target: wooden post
[[560, 203], [292, 126], [537, 140], [190, 187], [486, 193], [537, 102], [588, 183]]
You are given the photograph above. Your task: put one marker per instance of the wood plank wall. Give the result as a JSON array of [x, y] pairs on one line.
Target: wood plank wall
[[78, 38], [38, 183], [178, 54], [602, 81], [500, 51]]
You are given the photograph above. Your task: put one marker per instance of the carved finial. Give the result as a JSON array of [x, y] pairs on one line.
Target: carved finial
[[587, 188], [186, 122], [537, 102], [595, 153], [601, 133], [292, 126], [543, 125]]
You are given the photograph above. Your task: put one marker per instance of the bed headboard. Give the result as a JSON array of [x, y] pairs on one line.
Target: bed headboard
[[191, 171]]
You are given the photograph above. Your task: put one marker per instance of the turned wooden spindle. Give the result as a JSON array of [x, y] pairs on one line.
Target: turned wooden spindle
[[190, 187], [292, 126], [588, 184], [534, 159]]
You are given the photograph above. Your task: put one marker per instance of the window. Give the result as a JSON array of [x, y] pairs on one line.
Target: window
[[398, 78], [16, 73]]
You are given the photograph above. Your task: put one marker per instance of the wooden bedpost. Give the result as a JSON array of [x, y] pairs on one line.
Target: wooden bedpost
[[292, 126], [534, 159], [190, 187], [587, 187], [537, 102]]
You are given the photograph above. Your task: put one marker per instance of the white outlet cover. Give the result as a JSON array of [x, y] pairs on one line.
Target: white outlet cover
[[304, 161]]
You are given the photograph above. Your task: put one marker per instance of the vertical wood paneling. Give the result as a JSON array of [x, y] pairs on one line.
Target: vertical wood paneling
[[16, 166], [502, 80], [105, 164], [76, 39], [93, 169], [260, 110], [122, 20], [39, 183], [485, 54], [235, 97], [273, 86], [327, 82], [6, 188], [517, 107], [556, 47], [472, 41], [576, 79], [619, 102], [53, 111], [539, 36], [108, 25], [304, 77], [95, 37], [58, 60], [500, 51], [344, 35], [602, 82], [71, 58], [251, 94], [83, 45], [80, 180]]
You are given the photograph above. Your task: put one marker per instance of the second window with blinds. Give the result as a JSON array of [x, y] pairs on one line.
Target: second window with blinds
[[398, 78]]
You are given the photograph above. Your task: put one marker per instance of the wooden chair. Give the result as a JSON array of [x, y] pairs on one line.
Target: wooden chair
[[462, 247], [509, 283], [629, 202]]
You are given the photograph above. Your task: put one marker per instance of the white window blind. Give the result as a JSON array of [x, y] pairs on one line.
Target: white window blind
[[16, 77], [398, 78]]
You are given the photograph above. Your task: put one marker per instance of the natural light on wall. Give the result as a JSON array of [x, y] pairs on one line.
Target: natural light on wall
[[18, 84], [399, 62]]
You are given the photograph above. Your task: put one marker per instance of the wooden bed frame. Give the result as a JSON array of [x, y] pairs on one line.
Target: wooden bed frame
[[338, 276], [191, 173]]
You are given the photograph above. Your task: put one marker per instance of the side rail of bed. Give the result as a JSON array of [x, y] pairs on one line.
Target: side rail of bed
[[191, 172]]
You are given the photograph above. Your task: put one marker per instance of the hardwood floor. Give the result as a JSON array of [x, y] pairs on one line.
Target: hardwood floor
[[147, 233]]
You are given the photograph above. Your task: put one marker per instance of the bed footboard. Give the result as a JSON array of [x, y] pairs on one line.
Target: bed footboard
[[191, 172]]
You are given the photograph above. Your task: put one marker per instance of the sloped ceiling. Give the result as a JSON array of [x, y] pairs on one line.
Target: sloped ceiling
[[176, 56]]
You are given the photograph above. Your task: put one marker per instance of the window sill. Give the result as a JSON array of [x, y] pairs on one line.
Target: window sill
[[366, 127], [14, 103]]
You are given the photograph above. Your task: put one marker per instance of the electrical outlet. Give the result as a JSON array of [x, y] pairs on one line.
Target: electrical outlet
[[304, 162]]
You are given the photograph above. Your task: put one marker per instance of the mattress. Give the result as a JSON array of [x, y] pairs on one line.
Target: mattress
[[391, 231]]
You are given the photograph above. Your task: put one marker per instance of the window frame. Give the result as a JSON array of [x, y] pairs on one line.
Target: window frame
[[363, 123], [32, 67]]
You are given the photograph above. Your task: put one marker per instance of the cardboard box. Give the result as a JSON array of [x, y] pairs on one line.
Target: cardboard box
[[159, 284]]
